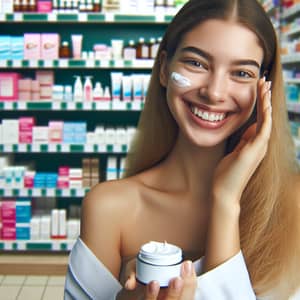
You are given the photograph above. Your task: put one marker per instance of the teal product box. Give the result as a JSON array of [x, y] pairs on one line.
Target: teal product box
[[17, 47], [292, 92], [5, 49], [23, 211], [23, 231]]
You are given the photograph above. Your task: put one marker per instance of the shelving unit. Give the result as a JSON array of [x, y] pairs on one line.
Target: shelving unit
[[94, 27]]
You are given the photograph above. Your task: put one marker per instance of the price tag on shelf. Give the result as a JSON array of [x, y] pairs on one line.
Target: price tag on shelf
[[21, 245], [103, 105], [56, 105], [109, 17], [118, 105], [52, 148], [8, 148], [55, 245], [8, 105], [22, 105], [52, 17], [136, 105], [159, 17], [82, 17], [117, 148], [88, 148], [70, 244], [48, 63], [104, 64], [17, 63], [65, 193], [23, 192], [36, 192], [3, 63], [22, 148], [90, 63], [8, 192], [50, 192], [63, 63], [119, 63], [18, 17], [33, 63], [2, 17], [71, 105], [65, 148], [87, 105], [36, 148], [8, 245]]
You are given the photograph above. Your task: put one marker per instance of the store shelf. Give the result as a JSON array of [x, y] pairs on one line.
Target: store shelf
[[290, 33], [107, 17], [290, 58], [291, 11], [292, 80], [136, 105], [76, 63], [62, 148], [293, 107], [50, 245], [43, 192]]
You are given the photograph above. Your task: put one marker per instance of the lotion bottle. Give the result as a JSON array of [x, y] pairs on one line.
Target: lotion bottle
[[88, 89], [78, 89]]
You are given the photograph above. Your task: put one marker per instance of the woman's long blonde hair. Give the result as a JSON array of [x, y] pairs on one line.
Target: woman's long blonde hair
[[270, 219]]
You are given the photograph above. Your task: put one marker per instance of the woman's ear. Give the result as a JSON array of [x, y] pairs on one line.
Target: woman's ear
[[163, 71]]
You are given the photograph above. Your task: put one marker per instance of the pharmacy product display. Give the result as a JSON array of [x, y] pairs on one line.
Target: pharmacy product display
[[72, 88]]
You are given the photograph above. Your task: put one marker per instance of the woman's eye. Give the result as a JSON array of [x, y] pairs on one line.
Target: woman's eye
[[195, 63], [243, 74]]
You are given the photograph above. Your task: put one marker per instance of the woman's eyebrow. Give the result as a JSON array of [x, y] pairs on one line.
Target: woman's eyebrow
[[207, 56]]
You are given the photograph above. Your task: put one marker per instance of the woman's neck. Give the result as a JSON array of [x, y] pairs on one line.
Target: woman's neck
[[189, 167]]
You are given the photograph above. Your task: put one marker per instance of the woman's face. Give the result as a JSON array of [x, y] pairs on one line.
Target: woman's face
[[221, 62]]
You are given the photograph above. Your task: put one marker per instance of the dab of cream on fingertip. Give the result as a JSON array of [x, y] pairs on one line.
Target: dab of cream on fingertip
[[180, 80]]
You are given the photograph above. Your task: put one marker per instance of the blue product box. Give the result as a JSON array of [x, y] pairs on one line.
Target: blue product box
[[17, 47], [80, 127], [68, 138], [5, 52], [80, 138], [23, 231], [23, 211]]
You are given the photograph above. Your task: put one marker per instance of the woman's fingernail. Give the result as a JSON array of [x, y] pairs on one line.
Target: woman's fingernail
[[187, 268], [269, 85], [176, 284], [153, 288]]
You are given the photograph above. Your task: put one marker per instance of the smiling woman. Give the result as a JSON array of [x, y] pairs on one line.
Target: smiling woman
[[212, 170]]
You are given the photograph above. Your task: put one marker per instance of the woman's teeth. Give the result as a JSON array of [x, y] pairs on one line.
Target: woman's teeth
[[208, 116]]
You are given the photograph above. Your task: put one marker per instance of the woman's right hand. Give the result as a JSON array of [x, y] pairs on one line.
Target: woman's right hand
[[180, 288]]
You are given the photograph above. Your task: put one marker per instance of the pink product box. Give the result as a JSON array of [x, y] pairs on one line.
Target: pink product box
[[25, 96], [28, 182], [55, 131], [50, 45], [46, 92], [62, 182], [44, 6], [45, 78], [63, 171], [35, 86], [8, 211], [25, 137], [9, 86], [26, 123], [24, 85], [32, 46], [8, 233]]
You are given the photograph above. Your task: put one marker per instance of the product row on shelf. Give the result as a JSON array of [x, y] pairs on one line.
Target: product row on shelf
[[92, 6]]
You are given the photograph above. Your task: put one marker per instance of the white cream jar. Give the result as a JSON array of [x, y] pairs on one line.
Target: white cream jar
[[158, 261]]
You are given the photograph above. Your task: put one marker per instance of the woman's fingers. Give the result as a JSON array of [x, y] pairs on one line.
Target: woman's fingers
[[152, 291], [188, 275]]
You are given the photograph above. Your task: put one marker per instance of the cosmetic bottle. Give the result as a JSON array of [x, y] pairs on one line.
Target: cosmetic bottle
[[78, 89], [17, 6], [32, 6], [97, 92], [64, 50], [142, 50], [97, 6], [88, 89], [158, 261], [129, 51]]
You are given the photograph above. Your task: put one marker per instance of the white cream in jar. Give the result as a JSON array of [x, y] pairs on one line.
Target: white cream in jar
[[158, 261]]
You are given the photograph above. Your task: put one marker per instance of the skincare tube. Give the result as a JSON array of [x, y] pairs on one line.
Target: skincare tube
[[126, 88], [116, 80], [137, 86], [146, 80], [117, 48], [76, 45], [158, 261]]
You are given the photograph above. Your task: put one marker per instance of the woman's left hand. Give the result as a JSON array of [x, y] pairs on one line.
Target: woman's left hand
[[235, 170]]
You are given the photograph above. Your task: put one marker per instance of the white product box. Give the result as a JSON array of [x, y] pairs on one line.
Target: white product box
[[10, 131]]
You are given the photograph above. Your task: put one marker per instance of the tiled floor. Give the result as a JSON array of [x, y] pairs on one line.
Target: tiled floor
[[19, 287]]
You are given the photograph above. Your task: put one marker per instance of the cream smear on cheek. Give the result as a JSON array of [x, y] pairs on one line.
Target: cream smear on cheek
[[180, 80]]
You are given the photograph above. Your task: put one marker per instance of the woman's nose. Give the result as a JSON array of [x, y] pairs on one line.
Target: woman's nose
[[215, 88]]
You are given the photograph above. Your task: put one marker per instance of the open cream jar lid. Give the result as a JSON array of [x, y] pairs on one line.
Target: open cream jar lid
[[158, 261]]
